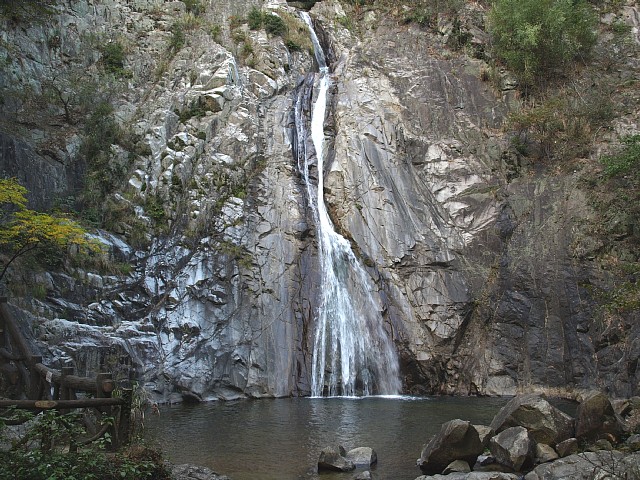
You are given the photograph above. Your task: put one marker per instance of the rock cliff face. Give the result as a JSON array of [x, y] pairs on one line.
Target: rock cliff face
[[474, 259]]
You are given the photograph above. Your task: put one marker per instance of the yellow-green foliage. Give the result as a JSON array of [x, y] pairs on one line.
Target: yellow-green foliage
[[23, 230]]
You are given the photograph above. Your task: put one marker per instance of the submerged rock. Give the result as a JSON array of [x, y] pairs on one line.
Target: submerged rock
[[366, 475], [333, 458], [362, 456], [195, 472]]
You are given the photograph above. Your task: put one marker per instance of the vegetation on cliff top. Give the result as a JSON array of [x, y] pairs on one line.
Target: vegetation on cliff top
[[534, 38]]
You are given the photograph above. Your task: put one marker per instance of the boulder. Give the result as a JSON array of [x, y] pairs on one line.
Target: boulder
[[362, 456], [333, 458], [457, 440], [484, 433], [545, 453], [472, 476], [602, 444], [633, 442], [194, 472], [457, 466], [596, 419], [366, 475], [589, 465], [567, 447], [514, 448], [622, 407], [487, 463], [546, 424]]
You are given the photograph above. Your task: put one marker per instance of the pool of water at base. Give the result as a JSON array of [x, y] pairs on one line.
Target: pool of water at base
[[281, 439]]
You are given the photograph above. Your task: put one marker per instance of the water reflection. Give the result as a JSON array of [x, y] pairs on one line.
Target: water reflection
[[281, 439]]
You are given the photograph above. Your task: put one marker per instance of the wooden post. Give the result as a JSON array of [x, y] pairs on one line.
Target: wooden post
[[104, 387], [124, 427], [65, 389], [56, 389], [36, 385], [4, 338]]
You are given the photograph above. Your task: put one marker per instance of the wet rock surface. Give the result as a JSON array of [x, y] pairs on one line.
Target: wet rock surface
[[472, 253]]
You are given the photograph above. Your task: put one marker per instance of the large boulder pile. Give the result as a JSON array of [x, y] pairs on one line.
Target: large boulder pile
[[544, 423], [530, 438]]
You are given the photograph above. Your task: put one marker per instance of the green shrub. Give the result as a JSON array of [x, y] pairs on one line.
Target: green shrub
[[178, 37], [215, 31], [194, 6], [113, 57], [627, 161], [255, 18], [274, 25], [154, 207], [535, 37], [61, 456], [104, 173]]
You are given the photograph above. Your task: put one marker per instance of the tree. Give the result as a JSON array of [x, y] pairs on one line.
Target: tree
[[23, 230], [534, 37]]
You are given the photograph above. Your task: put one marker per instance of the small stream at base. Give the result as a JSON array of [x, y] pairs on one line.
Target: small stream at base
[[281, 439]]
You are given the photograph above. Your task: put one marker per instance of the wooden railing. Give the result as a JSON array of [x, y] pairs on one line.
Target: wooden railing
[[49, 389]]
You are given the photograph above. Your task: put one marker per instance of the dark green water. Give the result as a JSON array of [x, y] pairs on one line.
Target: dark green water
[[281, 439]]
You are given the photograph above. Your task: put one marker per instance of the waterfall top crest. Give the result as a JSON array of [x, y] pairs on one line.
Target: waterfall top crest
[[317, 48]]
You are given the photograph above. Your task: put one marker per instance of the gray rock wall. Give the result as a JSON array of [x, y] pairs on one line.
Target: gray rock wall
[[473, 260]]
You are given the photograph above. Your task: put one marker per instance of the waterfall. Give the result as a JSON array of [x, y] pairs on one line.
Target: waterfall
[[352, 354]]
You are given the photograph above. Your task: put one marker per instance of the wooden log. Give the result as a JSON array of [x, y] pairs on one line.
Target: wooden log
[[59, 404], [77, 383]]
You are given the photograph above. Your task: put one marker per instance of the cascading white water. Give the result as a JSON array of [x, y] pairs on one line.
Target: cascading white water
[[352, 353]]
